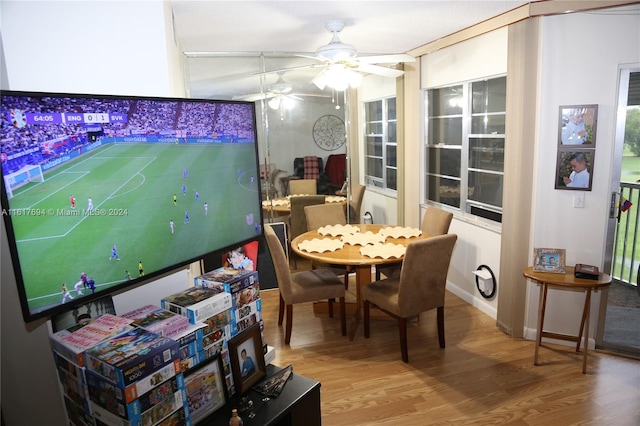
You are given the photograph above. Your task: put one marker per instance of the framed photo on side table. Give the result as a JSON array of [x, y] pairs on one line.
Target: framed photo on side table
[[246, 359], [206, 388], [549, 260]]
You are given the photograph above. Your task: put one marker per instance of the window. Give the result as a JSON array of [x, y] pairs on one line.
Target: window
[[465, 146], [380, 165]]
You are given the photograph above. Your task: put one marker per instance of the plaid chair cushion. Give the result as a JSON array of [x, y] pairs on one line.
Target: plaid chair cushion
[[311, 168]]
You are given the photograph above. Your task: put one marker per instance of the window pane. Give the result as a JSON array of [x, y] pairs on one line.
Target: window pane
[[391, 156], [442, 190], [489, 95], [392, 176], [486, 153], [374, 128], [443, 161], [391, 109], [445, 101], [374, 167], [374, 146], [485, 188], [373, 110], [446, 131], [391, 132], [488, 124]]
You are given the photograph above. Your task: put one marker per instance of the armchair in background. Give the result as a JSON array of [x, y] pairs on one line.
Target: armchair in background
[[311, 167]]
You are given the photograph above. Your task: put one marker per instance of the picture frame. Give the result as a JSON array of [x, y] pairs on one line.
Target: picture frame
[[206, 388], [549, 260], [577, 126], [574, 169], [247, 358]]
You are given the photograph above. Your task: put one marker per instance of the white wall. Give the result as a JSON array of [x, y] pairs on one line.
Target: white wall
[[579, 65], [75, 47], [478, 242]]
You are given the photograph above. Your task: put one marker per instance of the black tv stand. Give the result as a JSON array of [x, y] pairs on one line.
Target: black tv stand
[[297, 405]]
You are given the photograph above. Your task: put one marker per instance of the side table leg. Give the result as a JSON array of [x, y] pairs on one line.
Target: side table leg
[[585, 325], [541, 308]]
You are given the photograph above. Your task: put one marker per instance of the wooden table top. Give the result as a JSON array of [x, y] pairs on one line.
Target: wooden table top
[[567, 279], [349, 255]]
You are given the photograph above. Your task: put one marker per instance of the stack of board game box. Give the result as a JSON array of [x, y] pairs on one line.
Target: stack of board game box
[[244, 287], [68, 347], [135, 378], [209, 312], [157, 320]]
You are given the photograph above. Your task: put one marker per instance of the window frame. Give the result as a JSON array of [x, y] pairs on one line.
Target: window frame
[[469, 146], [371, 181]]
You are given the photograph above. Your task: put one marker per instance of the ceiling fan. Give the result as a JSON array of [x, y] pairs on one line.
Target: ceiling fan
[[279, 94], [341, 65]]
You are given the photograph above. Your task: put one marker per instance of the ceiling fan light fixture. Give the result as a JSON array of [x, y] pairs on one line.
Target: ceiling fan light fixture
[[274, 103]]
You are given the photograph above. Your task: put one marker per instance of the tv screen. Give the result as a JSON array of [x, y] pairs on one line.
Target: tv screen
[[104, 192]]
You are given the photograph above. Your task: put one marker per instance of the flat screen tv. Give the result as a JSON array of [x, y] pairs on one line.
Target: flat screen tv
[[100, 193]]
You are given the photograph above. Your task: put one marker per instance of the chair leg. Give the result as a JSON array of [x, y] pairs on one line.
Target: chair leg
[[330, 306], [440, 315], [281, 311], [377, 274], [287, 333], [402, 326], [343, 316], [366, 308]]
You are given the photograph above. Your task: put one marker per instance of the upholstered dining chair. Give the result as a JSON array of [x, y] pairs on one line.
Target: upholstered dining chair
[[303, 187], [435, 222], [320, 215], [419, 288], [355, 204], [305, 286], [297, 219]]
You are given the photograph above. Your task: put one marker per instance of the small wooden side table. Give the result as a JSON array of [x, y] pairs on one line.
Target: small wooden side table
[[568, 280]]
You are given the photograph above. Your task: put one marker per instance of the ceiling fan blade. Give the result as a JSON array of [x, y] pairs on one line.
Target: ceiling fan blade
[[386, 59], [253, 97], [378, 70], [301, 67]]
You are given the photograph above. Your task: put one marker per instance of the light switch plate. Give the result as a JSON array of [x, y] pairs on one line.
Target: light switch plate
[[578, 200]]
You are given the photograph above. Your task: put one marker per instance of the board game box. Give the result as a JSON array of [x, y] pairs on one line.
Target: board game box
[[130, 356], [128, 394], [72, 342], [197, 303], [157, 320], [227, 279]]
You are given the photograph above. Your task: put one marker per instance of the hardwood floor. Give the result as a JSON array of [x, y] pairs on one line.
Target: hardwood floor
[[482, 377]]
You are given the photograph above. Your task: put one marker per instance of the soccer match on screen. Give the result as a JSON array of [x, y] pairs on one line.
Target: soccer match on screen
[[101, 191]]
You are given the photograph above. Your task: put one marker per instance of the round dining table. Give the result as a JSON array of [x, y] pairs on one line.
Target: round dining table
[[350, 255]]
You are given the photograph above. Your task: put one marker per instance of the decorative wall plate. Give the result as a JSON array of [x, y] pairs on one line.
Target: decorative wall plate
[[329, 132]]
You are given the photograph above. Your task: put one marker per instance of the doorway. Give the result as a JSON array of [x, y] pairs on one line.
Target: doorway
[[618, 327]]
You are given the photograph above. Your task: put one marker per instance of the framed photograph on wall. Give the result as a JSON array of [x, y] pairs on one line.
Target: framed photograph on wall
[[549, 260], [577, 126], [574, 170], [247, 359]]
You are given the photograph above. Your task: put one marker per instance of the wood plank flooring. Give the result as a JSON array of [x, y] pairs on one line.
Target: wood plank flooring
[[482, 377]]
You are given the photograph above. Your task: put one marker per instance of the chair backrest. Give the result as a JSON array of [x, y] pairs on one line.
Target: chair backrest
[[357, 194], [436, 221], [423, 276], [297, 219], [280, 263], [303, 186], [325, 214]]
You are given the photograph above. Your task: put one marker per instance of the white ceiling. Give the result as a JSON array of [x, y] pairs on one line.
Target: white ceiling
[[230, 35]]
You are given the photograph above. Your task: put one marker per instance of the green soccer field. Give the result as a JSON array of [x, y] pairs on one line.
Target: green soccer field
[[132, 187]]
